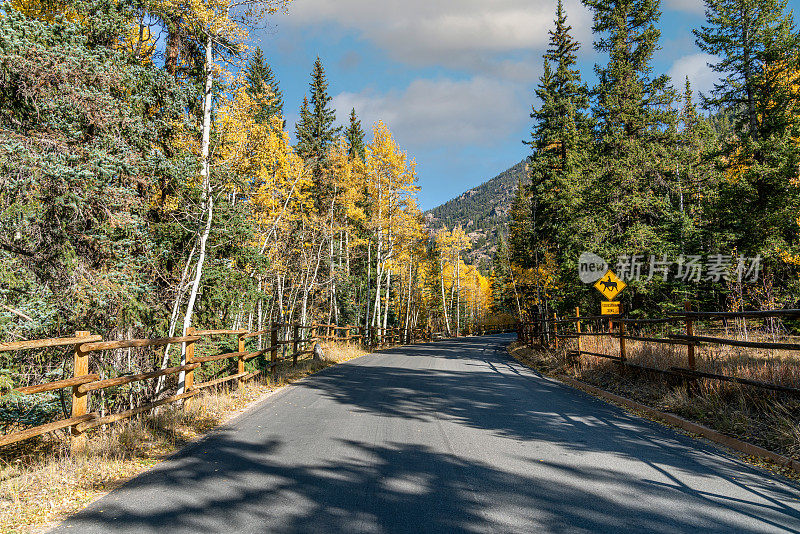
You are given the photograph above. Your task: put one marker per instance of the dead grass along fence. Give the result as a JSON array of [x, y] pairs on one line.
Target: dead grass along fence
[[556, 333]]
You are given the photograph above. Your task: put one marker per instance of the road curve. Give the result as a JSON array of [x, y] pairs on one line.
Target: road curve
[[448, 437]]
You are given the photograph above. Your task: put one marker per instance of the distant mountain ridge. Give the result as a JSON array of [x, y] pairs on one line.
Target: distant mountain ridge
[[483, 212]]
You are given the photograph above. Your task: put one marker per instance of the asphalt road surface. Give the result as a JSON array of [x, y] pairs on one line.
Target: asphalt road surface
[[448, 437]]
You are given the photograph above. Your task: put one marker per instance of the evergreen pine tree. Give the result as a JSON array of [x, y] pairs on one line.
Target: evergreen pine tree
[[750, 36], [355, 136], [561, 141], [696, 176], [315, 131], [260, 79], [757, 45], [632, 204]]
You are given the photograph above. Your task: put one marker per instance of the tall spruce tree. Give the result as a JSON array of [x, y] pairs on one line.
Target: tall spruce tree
[[696, 176], [260, 79], [315, 131], [561, 140], [757, 45], [750, 37], [355, 136], [632, 187]]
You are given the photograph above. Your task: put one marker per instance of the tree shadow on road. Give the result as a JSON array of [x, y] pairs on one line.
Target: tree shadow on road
[[250, 481], [229, 485]]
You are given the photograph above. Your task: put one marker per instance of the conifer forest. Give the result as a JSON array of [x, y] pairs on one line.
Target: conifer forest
[[636, 170]]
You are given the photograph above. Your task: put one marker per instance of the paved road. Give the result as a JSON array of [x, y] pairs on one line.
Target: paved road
[[446, 437]]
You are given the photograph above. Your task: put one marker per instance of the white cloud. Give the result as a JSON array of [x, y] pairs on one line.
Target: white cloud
[[443, 112], [459, 34], [695, 66]]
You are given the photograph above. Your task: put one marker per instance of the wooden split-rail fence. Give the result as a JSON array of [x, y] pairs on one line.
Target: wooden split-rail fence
[[553, 332], [299, 338]]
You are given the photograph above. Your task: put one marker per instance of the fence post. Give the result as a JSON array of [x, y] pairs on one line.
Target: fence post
[[541, 328], [578, 331], [622, 355], [555, 329], [295, 342], [240, 363], [690, 383], [689, 332], [188, 380], [274, 352], [80, 401]]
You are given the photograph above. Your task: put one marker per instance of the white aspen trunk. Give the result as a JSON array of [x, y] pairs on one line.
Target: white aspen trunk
[[388, 288], [378, 276], [408, 302], [332, 282], [294, 296], [378, 259], [444, 302], [260, 315], [376, 312], [458, 295], [368, 295], [173, 322], [207, 202], [271, 311], [187, 318], [309, 278], [304, 312], [280, 287], [238, 320], [452, 291], [205, 172]]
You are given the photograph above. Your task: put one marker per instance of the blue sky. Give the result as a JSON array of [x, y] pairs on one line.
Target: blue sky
[[452, 79]]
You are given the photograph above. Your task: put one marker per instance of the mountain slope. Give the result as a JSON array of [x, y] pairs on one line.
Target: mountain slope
[[482, 212]]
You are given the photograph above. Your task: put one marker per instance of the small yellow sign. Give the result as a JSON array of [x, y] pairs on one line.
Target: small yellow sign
[[610, 307], [610, 285]]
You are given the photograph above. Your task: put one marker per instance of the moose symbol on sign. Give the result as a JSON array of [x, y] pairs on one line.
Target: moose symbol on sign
[[608, 284]]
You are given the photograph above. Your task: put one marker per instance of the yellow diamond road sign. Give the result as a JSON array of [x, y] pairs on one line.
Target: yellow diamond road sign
[[610, 285]]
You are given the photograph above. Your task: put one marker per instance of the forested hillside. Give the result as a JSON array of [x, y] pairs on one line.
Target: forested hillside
[[482, 212]]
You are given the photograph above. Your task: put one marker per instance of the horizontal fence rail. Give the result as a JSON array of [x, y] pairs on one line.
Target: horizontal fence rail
[[298, 342], [544, 332]]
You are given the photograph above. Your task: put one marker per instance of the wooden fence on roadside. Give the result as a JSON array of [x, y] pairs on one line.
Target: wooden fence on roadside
[[553, 332], [298, 342]]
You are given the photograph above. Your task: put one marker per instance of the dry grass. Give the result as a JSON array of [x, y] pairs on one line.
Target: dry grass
[[338, 353], [769, 419], [41, 483]]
